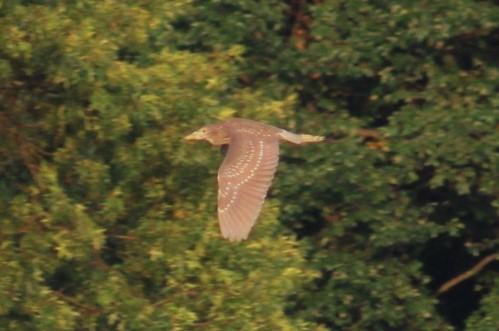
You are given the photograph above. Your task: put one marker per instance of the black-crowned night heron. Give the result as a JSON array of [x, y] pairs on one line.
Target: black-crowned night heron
[[247, 170]]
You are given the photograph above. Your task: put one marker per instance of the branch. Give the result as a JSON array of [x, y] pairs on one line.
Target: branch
[[76, 303], [467, 274]]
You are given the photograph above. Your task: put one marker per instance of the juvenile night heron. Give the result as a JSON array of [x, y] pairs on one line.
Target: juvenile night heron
[[247, 170]]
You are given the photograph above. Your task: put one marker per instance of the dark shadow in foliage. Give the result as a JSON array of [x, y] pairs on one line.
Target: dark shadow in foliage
[[444, 258]]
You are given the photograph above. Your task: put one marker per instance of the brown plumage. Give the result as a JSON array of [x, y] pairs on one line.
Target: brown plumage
[[247, 170]]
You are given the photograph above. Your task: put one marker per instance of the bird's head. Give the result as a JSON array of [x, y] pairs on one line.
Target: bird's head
[[214, 133]]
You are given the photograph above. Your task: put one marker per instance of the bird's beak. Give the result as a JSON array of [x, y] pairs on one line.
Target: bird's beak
[[197, 135]]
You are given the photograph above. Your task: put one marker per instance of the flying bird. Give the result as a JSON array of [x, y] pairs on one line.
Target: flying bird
[[247, 171]]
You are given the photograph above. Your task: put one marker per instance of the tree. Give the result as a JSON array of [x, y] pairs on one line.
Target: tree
[[410, 91], [108, 218]]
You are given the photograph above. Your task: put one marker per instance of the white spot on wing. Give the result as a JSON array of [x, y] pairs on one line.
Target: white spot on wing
[[243, 164]]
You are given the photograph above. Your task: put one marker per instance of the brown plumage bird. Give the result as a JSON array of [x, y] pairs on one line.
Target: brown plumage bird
[[247, 170]]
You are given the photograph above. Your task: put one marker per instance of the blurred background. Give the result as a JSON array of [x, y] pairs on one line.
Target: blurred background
[[108, 219]]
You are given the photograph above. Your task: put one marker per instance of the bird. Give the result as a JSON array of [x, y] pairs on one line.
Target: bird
[[247, 170]]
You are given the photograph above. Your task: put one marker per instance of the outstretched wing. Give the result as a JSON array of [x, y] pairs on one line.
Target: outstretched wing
[[243, 181]]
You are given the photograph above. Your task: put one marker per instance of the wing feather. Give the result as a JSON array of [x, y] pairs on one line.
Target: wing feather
[[244, 179]]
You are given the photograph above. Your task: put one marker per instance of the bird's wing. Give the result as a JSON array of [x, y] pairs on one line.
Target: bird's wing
[[243, 181]]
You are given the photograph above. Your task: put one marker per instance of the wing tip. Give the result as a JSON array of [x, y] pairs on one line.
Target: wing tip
[[235, 235], [235, 238]]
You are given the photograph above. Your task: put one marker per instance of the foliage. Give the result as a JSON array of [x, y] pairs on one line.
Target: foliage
[[102, 227], [485, 317], [107, 217]]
